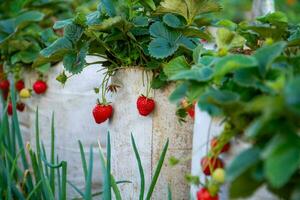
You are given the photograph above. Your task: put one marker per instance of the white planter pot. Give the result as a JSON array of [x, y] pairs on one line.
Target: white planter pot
[[150, 133], [72, 105]]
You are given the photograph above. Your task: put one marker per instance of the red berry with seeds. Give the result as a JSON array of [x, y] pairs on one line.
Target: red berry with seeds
[[102, 112], [4, 85], [20, 106], [9, 109], [40, 87], [145, 105], [19, 85], [191, 111], [203, 194], [209, 164], [214, 144]]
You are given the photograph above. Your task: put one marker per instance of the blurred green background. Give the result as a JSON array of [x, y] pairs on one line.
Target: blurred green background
[[237, 10]]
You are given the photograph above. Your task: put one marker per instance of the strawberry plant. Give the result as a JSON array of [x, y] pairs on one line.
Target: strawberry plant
[[126, 33], [251, 81]]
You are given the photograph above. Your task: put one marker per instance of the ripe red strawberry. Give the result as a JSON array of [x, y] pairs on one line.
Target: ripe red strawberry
[[191, 111], [9, 109], [214, 143], [20, 106], [4, 85], [102, 112], [5, 94], [19, 85], [209, 164], [203, 194], [145, 105], [40, 87]]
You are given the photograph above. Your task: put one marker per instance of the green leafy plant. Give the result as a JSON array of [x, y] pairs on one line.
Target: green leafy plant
[[254, 88], [32, 177], [131, 33]]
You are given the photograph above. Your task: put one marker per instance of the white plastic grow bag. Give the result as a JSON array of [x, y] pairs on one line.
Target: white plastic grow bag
[[72, 105]]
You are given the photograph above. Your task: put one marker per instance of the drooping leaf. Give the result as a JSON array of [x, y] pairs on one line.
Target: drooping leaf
[[242, 163], [267, 54], [202, 74], [231, 63], [175, 66], [74, 62], [73, 32], [292, 95], [179, 93], [60, 44], [277, 171]]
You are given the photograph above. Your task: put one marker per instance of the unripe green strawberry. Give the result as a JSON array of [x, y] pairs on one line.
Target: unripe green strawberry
[[219, 175]]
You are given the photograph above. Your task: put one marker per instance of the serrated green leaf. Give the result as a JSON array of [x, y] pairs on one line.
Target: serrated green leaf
[[231, 63], [73, 62], [275, 18], [201, 75], [73, 32], [44, 69], [175, 66], [227, 24], [292, 95], [141, 21], [60, 44], [242, 163], [193, 32], [162, 48], [172, 21], [277, 171], [179, 93], [62, 23], [30, 16], [227, 39], [188, 9], [267, 54], [109, 23], [148, 3]]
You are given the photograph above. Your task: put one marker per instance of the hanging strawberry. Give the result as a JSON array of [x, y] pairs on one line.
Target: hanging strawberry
[[102, 112], [19, 85], [214, 144], [189, 108], [145, 105], [9, 109], [203, 194], [40, 87], [24, 93], [20, 106], [4, 85], [209, 164]]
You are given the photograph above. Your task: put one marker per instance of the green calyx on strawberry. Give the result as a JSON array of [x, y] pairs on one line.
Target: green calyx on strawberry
[[102, 112], [40, 87], [203, 194], [210, 164], [145, 105], [214, 143]]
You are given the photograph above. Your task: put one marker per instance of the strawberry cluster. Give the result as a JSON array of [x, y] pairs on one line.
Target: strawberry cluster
[[102, 111], [39, 87], [213, 166]]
